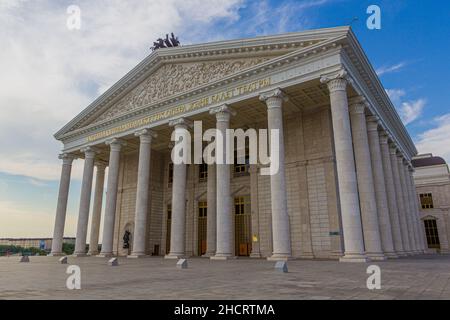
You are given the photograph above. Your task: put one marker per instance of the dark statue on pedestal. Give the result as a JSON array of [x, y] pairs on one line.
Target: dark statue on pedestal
[[126, 239], [166, 43]]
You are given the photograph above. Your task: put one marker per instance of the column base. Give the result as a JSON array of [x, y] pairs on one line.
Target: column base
[[56, 254], [174, 256], [79, 254], [255, 255], [402, 254], [376, 256], [223, 257], [93, 254], [137, 256], [361, 258], [105, 255], [391, 255], [208, 255]]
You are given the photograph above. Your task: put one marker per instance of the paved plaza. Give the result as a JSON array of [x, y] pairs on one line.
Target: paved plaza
[[424, 277]]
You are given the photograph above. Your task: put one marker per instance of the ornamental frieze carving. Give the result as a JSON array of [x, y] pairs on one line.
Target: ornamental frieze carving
[[173, 79]]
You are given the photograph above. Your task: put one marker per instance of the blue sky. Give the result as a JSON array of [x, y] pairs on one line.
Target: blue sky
[[49, 74]]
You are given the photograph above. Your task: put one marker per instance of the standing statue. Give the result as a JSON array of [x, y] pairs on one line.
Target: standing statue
[[126, 239]]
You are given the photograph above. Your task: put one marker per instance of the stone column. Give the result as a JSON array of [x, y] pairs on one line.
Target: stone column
[[391, 195], [367, 200], [85, 202], [380, 188], [400, 200], [412, 205], [111, 196], [346, 172], [211, 221], [225, 241], [401, 170], [281, 233], [97, 209], [142, 193], [256, 247], [178, 224], [61, 207]]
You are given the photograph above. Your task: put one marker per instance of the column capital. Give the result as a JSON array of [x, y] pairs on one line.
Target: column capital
[[115, 144], [383, 137], [146, 135], [392, 149], [372, 123], [67, 158], [357, 105], [101, 165], [180, 123], [223, 112], [89, 152], [336, 81], [277, 95]]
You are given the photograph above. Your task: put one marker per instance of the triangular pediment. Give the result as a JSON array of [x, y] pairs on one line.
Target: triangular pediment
[[172, 79], [167, 73]]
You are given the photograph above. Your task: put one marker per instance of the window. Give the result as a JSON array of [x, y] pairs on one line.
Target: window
[[242, 205], [426, 201], [202, 227], [431, 232], [203, 172], [170, 180], [202, 209], [241, 168]]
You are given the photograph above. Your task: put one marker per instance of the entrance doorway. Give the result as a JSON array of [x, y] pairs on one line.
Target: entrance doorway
[[202, 226], [432, 234], [242, 225]]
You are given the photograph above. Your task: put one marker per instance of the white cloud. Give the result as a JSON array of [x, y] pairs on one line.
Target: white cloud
[[49, 74], [391, 68], [411, 110], [437, 139], [396, 94]]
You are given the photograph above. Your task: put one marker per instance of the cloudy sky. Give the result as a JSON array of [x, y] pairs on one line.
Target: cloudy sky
[[49, 73]]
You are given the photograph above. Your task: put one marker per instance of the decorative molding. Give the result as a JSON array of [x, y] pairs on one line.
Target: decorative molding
[[67, 158], [223, 112], [181, 123], [115, 144]]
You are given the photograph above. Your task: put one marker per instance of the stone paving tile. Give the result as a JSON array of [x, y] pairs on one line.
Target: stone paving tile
[[423, 277]]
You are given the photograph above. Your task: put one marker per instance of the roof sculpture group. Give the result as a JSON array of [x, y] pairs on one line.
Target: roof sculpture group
[[166, 43]]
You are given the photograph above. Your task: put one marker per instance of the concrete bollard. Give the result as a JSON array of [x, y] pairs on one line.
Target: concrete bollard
[[182, 264], [63, 260], [281, 266], [113, 262], [24, 259]]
